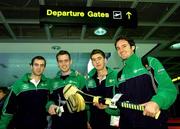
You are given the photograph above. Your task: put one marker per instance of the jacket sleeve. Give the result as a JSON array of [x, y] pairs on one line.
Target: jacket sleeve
[[113, 112], [9, 109], [166, 90], [82, 82], [51, 95], [110, 111]]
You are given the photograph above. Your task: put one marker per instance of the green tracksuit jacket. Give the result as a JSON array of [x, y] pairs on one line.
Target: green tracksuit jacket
[[104, 89], [26, 104], [136, 86], [67, 120]]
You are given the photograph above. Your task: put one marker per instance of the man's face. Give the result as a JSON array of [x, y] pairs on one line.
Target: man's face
[[64, 62], [2, 94], [124, 49], [98, 61], [38, 67]]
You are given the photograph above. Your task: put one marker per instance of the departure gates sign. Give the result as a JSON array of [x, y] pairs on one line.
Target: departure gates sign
[[94, 16]]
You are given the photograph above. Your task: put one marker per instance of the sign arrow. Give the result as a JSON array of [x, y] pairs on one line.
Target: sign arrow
[[129, 15]]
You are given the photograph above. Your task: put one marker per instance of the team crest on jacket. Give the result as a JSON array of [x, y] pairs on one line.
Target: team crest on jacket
[[91, 83], [72, 82], [111, 80], [25, 86]]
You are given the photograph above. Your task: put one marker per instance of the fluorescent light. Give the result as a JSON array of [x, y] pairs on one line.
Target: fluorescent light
[[175, 46], [100, 31]]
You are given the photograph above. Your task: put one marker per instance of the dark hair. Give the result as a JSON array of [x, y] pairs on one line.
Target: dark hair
[[129, 40], [39, 58], [63, 52], [97, 51], [5, 90]]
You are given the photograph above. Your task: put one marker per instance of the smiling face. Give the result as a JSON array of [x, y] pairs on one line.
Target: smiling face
[[64, 62], [124, 49], [98, 61]]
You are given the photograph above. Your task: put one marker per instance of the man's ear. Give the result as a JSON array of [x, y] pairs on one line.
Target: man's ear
[[106, 60], [31, 66], [71, 61], [133, 47]]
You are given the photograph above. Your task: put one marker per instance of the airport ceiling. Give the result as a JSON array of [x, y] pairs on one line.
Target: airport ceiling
[[158, 23]]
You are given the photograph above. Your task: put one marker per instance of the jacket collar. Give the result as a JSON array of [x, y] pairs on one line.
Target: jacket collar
[[27, 77], [72, 73], [94, 71]]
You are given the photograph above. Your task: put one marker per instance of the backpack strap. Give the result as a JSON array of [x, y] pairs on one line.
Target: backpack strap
[[119, 74], [117, 78], [151, 72]]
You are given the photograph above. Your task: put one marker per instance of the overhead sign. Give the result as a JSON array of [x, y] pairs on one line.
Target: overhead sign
[[94, 16]]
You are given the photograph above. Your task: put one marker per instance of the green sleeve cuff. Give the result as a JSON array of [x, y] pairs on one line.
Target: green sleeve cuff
[[88, 115], [4, 121], [157, 100], [49, 103], [88, 112], [114, 112], [161, 101]]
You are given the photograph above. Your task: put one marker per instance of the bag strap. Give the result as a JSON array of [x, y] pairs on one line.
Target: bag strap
[[151, 72], [119, 73]]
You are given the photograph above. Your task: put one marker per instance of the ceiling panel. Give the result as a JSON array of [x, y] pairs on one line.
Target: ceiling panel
[[66, 32], [152, 12], [138, 32], [175, 16], [165, 32], [3, 32], [28, 31], [108, 3]]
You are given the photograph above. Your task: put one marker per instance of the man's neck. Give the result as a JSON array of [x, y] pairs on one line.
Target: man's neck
[[35, 77], [102, 73], [66, 73]]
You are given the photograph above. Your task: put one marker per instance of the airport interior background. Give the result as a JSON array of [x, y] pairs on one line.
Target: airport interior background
[[22, 37]]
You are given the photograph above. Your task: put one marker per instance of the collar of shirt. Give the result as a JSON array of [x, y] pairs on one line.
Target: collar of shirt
[[35, 82]]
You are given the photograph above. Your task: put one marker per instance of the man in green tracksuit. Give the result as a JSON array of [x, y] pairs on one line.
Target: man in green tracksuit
[[101, 82], [135, 83], [65, 76], [4, 91], [27, 99]]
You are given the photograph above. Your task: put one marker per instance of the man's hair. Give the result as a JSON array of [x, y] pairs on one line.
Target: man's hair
[[129, 40], [97, 51], [5, 90], [39, 58], [63, 52]]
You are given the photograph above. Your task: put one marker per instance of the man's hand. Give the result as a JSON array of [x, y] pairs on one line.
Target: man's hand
[[52, 109], [100, 105], [151, 109], [88, 126]]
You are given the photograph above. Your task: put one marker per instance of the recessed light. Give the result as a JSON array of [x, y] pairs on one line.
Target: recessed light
[[175, 46], [100, 31], [56, 47]]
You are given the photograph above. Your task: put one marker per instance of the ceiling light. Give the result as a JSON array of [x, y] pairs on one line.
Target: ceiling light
[[100, 31], [56, 47], [175, 46]]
